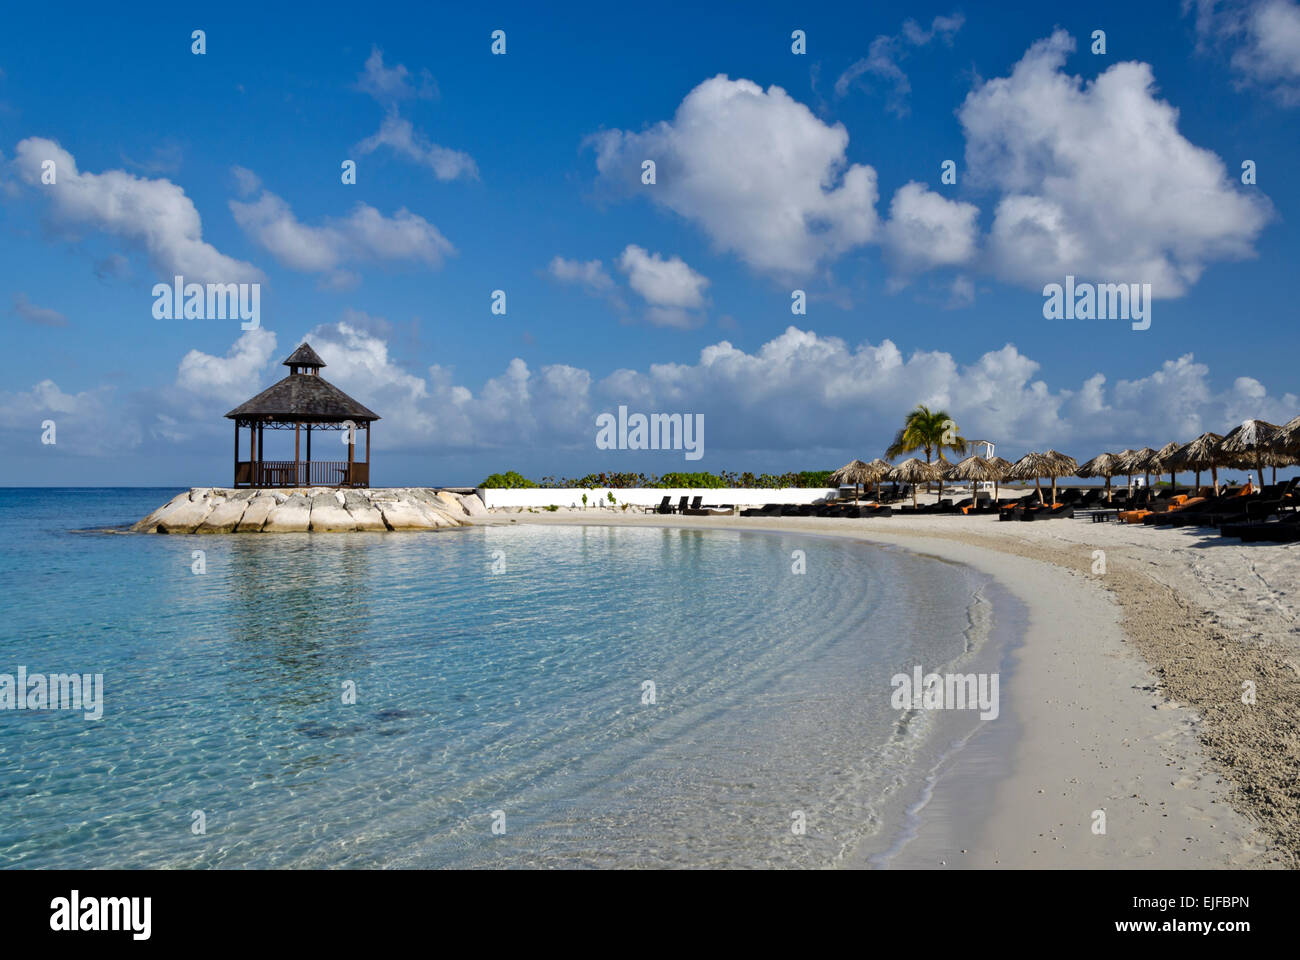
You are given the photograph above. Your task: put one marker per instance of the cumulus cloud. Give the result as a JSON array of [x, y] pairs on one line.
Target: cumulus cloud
[[928, 230], [1096, 179], [399, 135], [591, 276], [41, 316], [154, 215], [789, 398], [90, 423], [1263, 37], [885, 53], [365, 234], [232, 378], [757, 170], [670, 287]]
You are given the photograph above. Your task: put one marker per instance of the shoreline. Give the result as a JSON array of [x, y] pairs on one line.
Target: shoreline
[[1108, 719]]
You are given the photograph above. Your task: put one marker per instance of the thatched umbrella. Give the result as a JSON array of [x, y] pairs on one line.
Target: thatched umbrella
[[1003, 467], [1251, 443], [1288, 436], [1122, 460], [916, 471], [1138, 461], [1203, 453], [881, 469], [975, 469], [1032, 466], [854, 472], [1064, 466], [1166, 458], [1103, 465]]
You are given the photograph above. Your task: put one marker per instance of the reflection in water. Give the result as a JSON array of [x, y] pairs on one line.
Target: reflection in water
[[299, 612]]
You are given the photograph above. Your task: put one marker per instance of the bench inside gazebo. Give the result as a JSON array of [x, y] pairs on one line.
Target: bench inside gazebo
[[303, 402]]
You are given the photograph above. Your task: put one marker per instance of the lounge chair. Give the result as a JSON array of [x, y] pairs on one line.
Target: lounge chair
[[665, 506]]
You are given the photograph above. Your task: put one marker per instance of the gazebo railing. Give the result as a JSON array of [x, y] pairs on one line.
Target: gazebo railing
[[304, 473]]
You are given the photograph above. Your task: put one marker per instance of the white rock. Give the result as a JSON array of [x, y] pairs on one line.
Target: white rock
[[363, 512], [224, 516], [183, 516], [328, 514], [473, 505], [258, 510], [291, 516]]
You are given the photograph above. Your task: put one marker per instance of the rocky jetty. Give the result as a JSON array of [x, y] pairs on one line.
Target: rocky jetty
[[311, 509]]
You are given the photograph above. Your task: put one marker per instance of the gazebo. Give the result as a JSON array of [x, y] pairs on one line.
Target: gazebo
[[300, 402]]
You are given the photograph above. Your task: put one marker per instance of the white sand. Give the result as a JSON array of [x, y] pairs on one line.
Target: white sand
[[1210, 784]]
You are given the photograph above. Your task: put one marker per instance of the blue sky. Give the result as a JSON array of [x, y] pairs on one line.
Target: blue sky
[[776, 172]]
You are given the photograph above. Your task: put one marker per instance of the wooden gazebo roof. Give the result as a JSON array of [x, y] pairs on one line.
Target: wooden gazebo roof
[[303, 397]]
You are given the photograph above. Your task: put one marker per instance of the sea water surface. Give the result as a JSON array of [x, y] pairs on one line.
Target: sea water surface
[[525, 696]]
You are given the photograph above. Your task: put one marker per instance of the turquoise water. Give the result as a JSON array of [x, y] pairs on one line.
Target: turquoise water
[[519, 691]]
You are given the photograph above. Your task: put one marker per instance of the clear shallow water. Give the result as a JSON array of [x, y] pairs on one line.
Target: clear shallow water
[[519, 691]]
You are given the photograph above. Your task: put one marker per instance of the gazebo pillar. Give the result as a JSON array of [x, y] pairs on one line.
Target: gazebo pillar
[[352, 452], [297, 470]]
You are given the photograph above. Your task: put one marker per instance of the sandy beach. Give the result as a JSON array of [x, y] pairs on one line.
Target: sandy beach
[[1126, 694]]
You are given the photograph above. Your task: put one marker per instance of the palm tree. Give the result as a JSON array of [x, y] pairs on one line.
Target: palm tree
[[924, 429]]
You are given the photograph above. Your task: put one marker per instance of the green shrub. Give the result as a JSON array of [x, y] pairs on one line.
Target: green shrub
[[510, 480]]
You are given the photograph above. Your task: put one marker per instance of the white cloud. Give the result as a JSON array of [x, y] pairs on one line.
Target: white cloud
[[365, 234], [789, 398], [885, 52], [669, 287], [763, 176], [591, 275], [1096, 179], [232, 378], [1264, 37], [32, 313], [399, 135], [928, 230], [89, 423], [155, 215], [390, 85]]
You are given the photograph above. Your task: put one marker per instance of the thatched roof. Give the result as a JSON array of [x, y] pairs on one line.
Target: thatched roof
[[303, 397], [913, 470], [1166, 457], [1201, 453], [1251, 436], [975, 468], [304, 356], [1289, 434], [1001, 464], [1065, 465], [1102, 465], [1049, 464], [856, 471], [1136, 461]]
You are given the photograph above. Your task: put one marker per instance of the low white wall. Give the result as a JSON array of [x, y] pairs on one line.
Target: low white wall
[[650, 496]]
